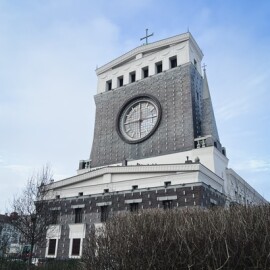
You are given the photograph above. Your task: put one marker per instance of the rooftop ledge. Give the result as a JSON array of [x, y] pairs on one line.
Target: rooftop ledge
[[173, 168]]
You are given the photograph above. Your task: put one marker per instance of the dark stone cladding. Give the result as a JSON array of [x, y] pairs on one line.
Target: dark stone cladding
[[188, 195], [179, 92]]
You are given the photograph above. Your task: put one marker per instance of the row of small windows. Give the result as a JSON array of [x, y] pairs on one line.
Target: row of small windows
[[106, 190], [104, 215], [145, 73], [104, 210]]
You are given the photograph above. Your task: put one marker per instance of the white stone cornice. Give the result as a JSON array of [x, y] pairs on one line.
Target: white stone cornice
[[148, 48], [165, 168]]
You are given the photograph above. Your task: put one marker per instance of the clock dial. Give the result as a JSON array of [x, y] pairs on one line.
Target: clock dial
[[139, 119]]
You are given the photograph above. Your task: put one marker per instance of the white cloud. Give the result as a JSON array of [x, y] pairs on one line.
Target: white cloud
[[233, 108], [16, 168], [254, 165]]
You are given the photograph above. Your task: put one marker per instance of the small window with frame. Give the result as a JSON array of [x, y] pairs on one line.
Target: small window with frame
[[134, 207], [54, 216], [104, 213], [158, 67], [167, 204], [120, 81], [167, 183], [109, 85], [78, 215], [52, 247], [173, 62], [76, 246], [132, 76], [145, 72], [195, 63]]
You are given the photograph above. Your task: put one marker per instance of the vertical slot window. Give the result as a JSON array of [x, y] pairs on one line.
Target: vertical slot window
[[109, 85], [78, 215], [132, 76], [104, 213], [76, 245], [145, 72], [52, 247], [173, 62], [167, 204], [120, 81], [55, 216], [195, 63], [158, 67], [134, 207]]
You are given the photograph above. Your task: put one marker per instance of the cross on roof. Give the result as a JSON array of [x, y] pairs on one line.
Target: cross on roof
[[146, 36], [204, 66]]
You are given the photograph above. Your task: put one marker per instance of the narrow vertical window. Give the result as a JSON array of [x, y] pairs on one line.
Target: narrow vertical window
[[109, 85], [167, 204], [132, 76], [78, 215], [195, 63], [145, 72], [173, 62], [76, 243], [52, 247], [104, 213], [120, 81], [134, 207], [158, 67], [167, 183], [54, 216]]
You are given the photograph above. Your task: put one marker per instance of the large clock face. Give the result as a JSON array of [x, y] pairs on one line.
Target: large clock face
[[138, 119]]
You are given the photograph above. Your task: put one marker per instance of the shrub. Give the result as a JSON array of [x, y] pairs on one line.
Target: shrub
[[235, 238]]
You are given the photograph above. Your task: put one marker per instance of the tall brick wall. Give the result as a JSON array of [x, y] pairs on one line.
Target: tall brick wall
[[176, 90], [198, 195]]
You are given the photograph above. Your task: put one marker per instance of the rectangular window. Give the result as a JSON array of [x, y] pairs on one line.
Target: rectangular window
[[109, 85], [76, 247], [167, 204], [158, 67], [52, 247], [78, 215], [173, 62], [132, 77], [145, 72], [167, 183], [104, 213], [54, 216], [80, 194], [134, 187], [195, 63], [134, 207], [120, 81]]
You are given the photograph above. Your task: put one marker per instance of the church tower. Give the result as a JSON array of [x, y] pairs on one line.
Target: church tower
[[153, 102], [155, 145]]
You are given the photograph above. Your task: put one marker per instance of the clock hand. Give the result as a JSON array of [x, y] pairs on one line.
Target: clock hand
[[130, 122], [149, 117]]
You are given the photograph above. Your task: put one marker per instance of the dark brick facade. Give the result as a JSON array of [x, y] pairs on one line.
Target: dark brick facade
[[179, 92], [190, 195]]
